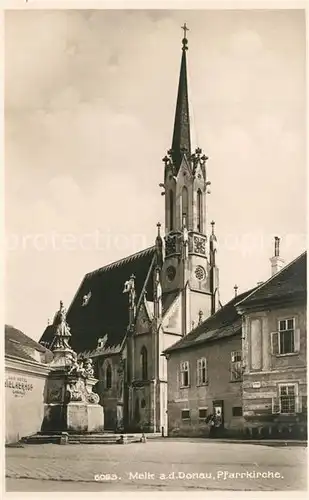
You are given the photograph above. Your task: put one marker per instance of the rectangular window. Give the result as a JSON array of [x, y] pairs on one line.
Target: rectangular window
[[237, 411], [286, 336], [202, 413], [287, 398], [185, 414], [236, 366], [201, 371], [185, 375]]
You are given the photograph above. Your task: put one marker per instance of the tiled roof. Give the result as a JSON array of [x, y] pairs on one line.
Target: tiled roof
[[224, 323], [19, 345], [290, 282], [107, 311]]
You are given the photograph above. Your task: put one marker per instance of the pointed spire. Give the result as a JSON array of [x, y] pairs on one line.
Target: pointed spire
[[181, 136]]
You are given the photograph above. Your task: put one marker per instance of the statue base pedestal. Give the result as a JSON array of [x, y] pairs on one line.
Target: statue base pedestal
[[71, 405], [84, 418]]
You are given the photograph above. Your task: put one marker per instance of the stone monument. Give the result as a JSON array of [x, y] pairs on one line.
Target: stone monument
[[70, 404]]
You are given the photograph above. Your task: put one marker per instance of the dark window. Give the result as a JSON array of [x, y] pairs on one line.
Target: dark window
[[171, 210], [144, 363], [237, 411], [199, 211], [143, 403], [185, 414], [184, 370], [185, 205], [286, 336], [108, 376], [202, 413]]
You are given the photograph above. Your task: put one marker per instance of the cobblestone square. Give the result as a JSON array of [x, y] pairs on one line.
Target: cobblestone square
[[178, 464]]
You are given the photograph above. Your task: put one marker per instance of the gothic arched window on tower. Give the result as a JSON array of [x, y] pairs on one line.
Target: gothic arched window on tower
[[144, 366], [185, 205], [108, 376], [171, 198], [199, 203]]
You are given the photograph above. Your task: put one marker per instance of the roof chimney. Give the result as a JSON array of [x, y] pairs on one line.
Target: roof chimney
[[277, 262], [236, 290]]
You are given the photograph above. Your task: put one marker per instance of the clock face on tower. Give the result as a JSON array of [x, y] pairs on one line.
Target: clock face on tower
[[171, 273]]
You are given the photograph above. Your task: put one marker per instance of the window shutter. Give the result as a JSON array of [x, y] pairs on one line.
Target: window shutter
[[274, 336], [276, 405], [206, 369], [297, 340], [198, 372]]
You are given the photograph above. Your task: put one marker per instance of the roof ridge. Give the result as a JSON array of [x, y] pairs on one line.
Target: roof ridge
[[123, 260], [272, 277]]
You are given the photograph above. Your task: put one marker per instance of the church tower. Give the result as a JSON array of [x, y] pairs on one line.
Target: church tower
[[189, 267]]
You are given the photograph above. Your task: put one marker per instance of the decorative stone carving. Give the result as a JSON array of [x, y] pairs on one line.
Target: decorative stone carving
[[89, 371], [62, 330], [170, 245], [129, 287], [86, 299], [199, 245]]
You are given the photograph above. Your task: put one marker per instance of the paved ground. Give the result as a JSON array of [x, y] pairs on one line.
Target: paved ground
[[156, 465]]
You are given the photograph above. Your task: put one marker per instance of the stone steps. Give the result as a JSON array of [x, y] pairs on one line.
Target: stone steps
[[103, 438]]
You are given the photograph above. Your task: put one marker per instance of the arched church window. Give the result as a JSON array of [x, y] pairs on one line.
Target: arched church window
[[171, 198], [108, 376], [199, 211], [184, 200], [144, 363]]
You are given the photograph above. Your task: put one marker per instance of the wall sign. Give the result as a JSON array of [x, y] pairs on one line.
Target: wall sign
[[19, 385]]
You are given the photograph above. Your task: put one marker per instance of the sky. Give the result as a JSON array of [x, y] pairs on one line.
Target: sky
[[89, 110]]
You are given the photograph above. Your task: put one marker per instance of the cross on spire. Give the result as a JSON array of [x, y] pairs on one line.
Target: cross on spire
[[185, 29]]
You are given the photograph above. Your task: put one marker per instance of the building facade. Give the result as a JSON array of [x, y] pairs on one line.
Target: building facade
[[274, 352], [205, 376], [26, 372]]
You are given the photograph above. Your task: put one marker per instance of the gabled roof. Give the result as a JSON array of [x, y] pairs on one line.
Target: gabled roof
[[19, 345], [224, 323], [107, 311], [289, 283]]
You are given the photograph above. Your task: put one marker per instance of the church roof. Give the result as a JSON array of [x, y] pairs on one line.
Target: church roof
[[19, 345], [107, 312], [224, 323], [290, 282]]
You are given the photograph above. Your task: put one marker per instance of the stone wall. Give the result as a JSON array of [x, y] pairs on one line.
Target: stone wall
[[25, 387]]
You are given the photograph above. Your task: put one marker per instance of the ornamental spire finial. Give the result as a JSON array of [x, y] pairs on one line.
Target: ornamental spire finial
[[184, 40]]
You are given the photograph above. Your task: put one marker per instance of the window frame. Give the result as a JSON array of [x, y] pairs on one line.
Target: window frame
[[199, 371], [182, 371], [237, 416], [144, 363], [205, 408], [286, 330], [199, 205], [296, 402], [237, 364], [187, 410], [108, 366]]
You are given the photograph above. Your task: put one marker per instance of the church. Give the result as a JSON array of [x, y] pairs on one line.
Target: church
[[126, 314]]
